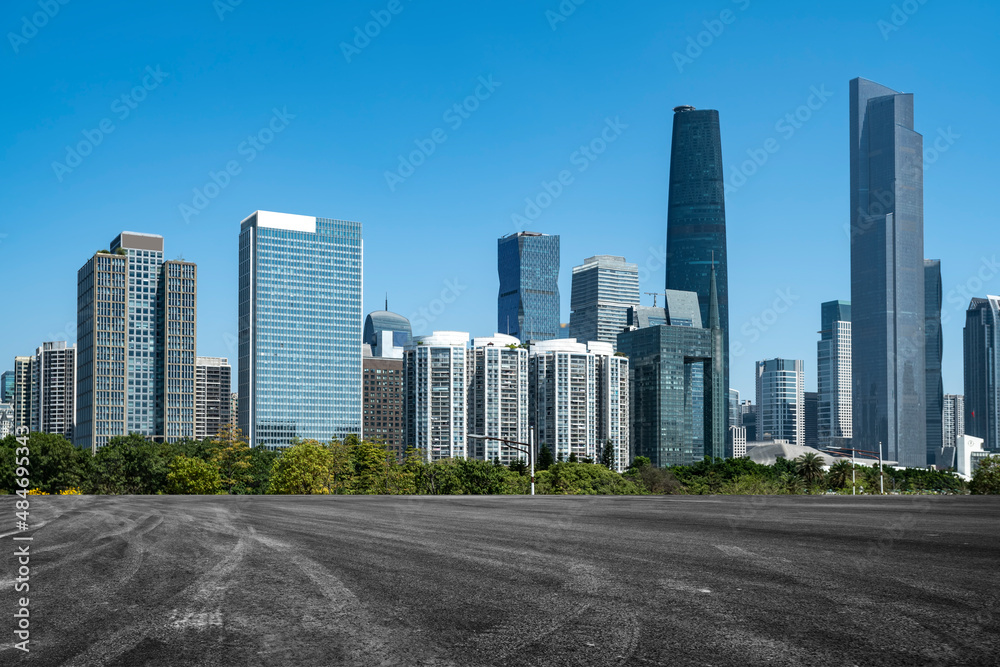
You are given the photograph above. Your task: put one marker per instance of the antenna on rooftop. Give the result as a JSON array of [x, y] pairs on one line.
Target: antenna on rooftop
[[654, 294]]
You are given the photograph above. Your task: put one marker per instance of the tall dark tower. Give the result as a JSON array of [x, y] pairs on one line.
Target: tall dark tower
[[696, 216]]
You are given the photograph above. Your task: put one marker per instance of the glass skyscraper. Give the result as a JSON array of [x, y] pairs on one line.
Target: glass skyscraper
[[833, 375], [300, 350], [887, 275], [934, 353], [982, 371], [781, 400], [603, 289], [528, 301], [696, 215]]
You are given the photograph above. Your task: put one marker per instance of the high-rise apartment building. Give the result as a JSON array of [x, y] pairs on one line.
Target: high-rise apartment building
[[604, 288], [53, 389], [7, 387], [22, 393], [528, 301], [382, 403], [213, 396], [982, 371], [834, 420], [436, 403], [6, 420], [497, 398], [300, 319], [933, 355], [887, 274], [696, 216], [781, 400], [136, 337], [953, 422]]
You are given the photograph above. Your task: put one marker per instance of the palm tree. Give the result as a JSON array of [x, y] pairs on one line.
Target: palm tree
[[810, 468], [840, 474], [791, 484], [872, 475]]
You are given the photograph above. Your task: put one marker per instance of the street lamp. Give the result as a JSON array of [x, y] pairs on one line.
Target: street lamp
[[878, 454], [525, 447]]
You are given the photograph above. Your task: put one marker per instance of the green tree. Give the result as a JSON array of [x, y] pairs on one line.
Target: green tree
[[572, 458], [791, 483], [839, 474], [192, 476], [986, 478], [545, 458], [130, 465], [304, 468], [372, 468], [231, 456], [259, 473], [809, 467], [583, 478], [608, 454], [54, 464]]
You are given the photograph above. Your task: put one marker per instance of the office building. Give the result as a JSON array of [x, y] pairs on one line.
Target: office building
[[6, 420], [735, 415], [136, 333], [748, 419], [386, 333], [679, 410], [614, 405], [737, 442], [969, 452], [213, 396], [887, 275], [300, 319], [497, 398], [982, 372], [528, 301], [953, 420], [234, 409], [435, 386], [7, 387], [603, 289], [810, 414], [382, 401], [781, 400], [22, 393], [933, 355], [834, 420], [696, 216], [53, 389]]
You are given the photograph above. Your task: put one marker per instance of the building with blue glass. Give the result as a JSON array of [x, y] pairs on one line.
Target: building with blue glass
[[696, 215], [603, 288], [834, 422], [7, 387], [934, 354], [781, 400], [887, 275], [386, 333], [982, 372], [528, 301], [299, 329]]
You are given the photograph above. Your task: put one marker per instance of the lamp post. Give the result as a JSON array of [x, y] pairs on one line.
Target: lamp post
[[877, 454], [525, 447]]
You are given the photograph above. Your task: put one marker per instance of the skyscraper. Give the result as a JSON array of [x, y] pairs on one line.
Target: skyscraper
[[810, 412], [933, 353], [386, 333], [603, 289], [834, 422], [382, 402], [528, 301], [300, 357], [7, 387], [136, 333], [213, 406], [435, 383], [22, 393], [696, 215], [982, 373], [53, 389], [498, 397], [781, 400], [953, 421], [887, 274]]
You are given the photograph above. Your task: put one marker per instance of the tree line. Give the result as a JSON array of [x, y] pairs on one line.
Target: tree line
[[226, 464]]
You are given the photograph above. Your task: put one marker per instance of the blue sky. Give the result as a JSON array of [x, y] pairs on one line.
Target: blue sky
[[183, 86]]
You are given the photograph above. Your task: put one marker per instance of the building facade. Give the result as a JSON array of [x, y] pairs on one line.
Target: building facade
[[6, 420], [497, 398], [386, 334], [22, 393], [213, 396], [933, 356], [604, 288], [781, 400], [810, 413], [382, 403], [982, 374], [53, 389], [696, 216], [887, 275], [300, 328], [953, 420], [7, 387], [528, 301], [834, 412], [177, 308], [436, 403]]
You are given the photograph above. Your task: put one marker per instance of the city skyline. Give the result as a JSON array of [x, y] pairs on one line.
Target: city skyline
[[85, 207]]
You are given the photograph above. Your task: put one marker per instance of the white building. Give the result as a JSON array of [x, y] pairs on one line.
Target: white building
[[953, 422], [579, 399], [970, 451], [738, 440], [497, 397], [835, 414], [6, 420], [53, 389], [435, 389], [781, 400]]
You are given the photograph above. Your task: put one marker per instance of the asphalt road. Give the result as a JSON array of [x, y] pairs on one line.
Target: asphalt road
[[508, 581]]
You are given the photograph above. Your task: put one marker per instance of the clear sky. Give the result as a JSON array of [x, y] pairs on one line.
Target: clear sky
[[308, 125]]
